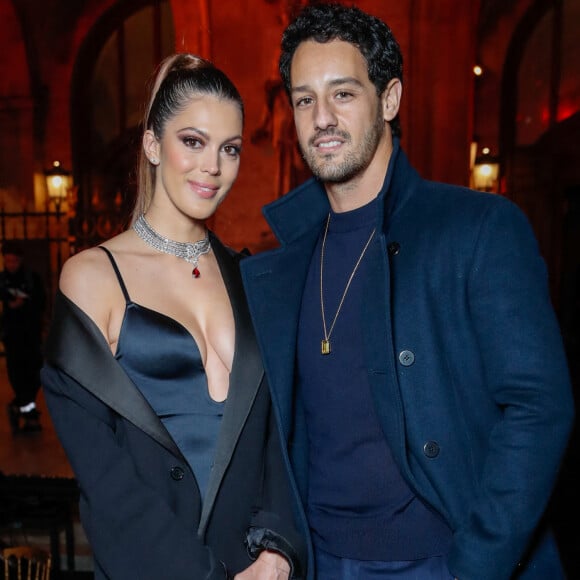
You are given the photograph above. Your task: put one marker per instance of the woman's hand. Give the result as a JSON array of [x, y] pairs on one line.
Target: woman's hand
[[268, 566]]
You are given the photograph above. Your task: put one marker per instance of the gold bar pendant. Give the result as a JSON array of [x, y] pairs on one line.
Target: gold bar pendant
[[325, 346]]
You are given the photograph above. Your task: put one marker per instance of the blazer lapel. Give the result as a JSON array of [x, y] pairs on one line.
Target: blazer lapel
[[245, 378], [76, 346]]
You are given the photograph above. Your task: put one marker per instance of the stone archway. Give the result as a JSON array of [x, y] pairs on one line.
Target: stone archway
[[107, 93], [16, 112], [532, 163]]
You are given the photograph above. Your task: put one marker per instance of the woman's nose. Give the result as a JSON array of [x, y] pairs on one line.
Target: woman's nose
[[211, 162]]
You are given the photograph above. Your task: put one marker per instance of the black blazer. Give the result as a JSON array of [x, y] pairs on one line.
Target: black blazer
[[140, 504]]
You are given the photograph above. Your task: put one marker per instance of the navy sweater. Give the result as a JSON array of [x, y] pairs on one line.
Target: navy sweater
[[359, 506]]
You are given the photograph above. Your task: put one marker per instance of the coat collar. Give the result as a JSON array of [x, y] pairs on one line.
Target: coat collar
[[94, 367], [305, 208]]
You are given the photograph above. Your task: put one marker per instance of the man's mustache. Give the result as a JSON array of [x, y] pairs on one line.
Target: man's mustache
[[329, 133]]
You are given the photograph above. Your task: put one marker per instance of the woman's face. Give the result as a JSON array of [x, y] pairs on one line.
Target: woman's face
[[199, 156]]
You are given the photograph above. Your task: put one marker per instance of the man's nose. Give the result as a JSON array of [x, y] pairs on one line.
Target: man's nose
[[324, 115]]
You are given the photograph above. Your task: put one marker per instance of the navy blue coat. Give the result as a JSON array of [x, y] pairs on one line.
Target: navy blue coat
[[464, 357]]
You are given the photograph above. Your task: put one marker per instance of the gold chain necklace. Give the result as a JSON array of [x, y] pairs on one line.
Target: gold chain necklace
[[325, 345]]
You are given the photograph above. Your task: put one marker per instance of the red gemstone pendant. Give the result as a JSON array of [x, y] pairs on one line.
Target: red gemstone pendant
[[195, 272]]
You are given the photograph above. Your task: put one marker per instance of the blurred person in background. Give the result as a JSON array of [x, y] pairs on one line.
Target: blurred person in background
[[23, 303]]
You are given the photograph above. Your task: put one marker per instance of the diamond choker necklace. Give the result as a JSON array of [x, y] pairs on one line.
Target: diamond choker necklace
[[190, 252]]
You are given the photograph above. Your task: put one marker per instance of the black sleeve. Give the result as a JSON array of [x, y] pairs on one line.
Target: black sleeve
[[274, 523], [133, 531]]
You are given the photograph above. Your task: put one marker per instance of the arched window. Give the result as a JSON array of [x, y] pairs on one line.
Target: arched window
[[109, 90], [539, 126], [548, 80]]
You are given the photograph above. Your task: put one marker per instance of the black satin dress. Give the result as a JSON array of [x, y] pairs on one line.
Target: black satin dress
[[163, 360]]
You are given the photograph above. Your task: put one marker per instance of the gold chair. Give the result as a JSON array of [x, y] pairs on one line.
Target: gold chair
[[25, 563]]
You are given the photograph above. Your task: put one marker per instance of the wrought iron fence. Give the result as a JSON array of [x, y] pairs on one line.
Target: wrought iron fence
[[45, 237]]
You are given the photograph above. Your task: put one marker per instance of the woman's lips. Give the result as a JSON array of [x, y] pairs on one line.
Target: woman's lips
[[203, 189]]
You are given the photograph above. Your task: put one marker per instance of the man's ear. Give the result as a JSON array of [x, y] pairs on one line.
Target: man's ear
[[391, 99], [151, 146]]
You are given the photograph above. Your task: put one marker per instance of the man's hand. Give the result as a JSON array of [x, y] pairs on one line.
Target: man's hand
[[268, 566]]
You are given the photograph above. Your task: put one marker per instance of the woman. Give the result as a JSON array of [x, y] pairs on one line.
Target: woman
[[153, 377]]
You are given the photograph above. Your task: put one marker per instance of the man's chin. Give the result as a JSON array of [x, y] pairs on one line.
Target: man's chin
[[330, 174]]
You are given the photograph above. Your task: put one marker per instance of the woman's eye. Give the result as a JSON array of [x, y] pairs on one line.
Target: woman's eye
[[191, 142], [232, 150]]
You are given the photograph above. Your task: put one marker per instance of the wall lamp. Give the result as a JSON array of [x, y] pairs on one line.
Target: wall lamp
[[486, 173], [58, 184]]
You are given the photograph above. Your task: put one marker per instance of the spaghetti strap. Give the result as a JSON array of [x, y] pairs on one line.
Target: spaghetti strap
[[118, 274]]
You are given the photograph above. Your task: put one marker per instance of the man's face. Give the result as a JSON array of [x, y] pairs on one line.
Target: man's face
[[338, 115], [12, 263]]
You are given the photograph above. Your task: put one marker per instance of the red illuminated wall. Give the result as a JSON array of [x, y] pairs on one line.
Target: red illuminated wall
[[438, 44], [242, 37]]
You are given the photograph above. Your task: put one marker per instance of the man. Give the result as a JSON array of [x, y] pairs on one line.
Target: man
[[415, 362], [23, 301]]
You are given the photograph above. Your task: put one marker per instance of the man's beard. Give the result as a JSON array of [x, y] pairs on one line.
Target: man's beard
[[353, 163]]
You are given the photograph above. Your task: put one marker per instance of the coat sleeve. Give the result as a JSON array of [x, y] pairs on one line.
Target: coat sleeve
[[133, 531], [526, 372], [273, 524]]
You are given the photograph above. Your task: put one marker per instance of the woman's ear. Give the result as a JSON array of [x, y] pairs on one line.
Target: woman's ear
[[151, 147], [391, 99]]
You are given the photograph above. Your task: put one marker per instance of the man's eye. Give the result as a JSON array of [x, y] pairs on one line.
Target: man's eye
[[302, 102]]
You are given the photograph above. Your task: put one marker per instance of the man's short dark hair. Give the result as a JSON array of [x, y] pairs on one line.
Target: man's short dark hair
[[326, 22]]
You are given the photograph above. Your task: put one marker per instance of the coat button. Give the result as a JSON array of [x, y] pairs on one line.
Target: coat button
[[393, 248], [406, 358], [431, 449], [177, 473]]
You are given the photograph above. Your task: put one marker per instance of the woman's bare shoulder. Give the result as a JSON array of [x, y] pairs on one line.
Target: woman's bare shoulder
[[81, 271], [89, 280], [91, 271]]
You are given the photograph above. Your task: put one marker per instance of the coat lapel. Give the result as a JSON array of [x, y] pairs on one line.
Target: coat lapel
[[275, 283], [77, 347], [378, 346], [245, 379]]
